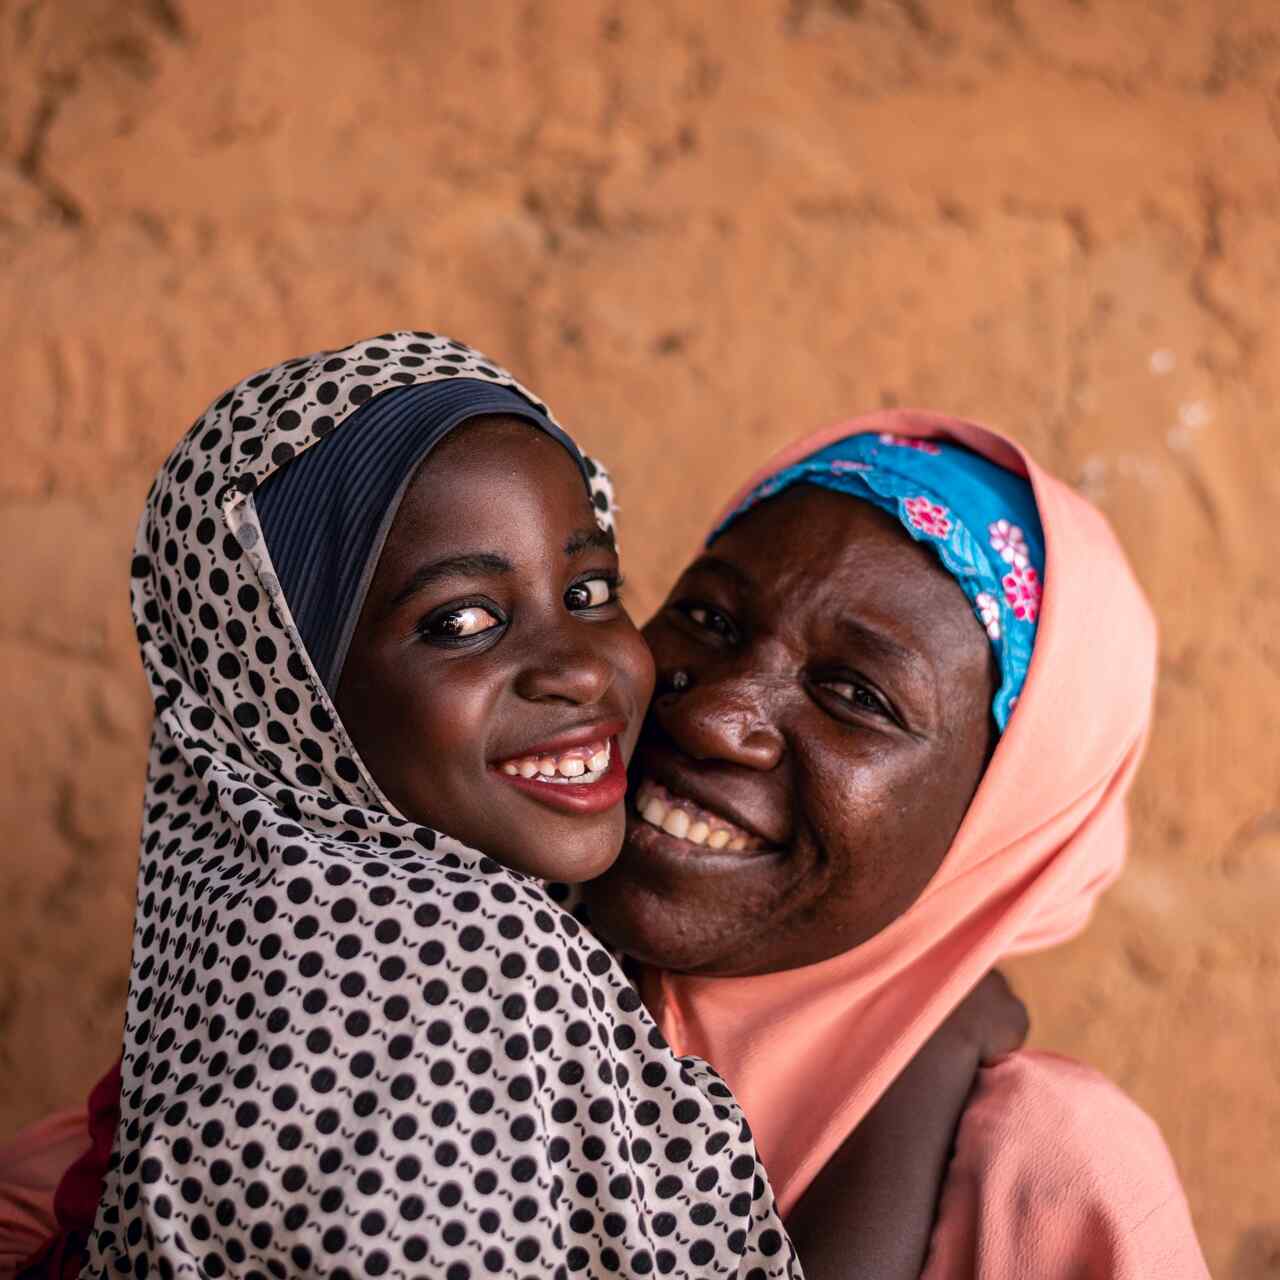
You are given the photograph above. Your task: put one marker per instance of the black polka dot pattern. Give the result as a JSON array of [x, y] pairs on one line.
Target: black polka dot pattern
[[353, 1046]]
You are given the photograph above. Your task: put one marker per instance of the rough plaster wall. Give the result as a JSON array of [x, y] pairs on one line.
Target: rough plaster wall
[[697, 228]]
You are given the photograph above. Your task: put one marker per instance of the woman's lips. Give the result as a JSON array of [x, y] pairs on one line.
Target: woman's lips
[[687, 820], [674, 827], [585, 779]]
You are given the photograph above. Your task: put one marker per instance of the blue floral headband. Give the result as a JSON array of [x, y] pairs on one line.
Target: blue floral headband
[[979, 518]]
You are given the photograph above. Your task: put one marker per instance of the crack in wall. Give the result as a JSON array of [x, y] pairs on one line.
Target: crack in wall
[[30, 162], [123, 46], [1212, 204]]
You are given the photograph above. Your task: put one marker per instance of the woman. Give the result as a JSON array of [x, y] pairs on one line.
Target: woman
[[908, 684], [352, 1041]]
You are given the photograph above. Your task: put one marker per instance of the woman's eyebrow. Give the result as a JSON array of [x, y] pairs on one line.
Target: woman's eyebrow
[[471, 564], [726, 569], [585, 539], [872, 639], [863, 634]]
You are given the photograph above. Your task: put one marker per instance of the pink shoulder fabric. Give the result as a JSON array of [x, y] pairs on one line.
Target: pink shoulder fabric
[[808, 1051], [1032, 1192], [31, 1166]]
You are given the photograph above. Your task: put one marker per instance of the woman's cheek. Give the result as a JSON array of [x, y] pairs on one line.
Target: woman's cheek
[[660, 638], [642, 678]]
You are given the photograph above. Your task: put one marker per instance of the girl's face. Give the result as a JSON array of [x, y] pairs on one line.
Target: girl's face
[[495, 685]]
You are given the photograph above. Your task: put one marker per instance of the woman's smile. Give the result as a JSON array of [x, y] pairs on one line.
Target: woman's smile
[[691, 823]]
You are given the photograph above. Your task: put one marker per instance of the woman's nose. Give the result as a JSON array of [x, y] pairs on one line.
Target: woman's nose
[[570, 669], [724, 720]]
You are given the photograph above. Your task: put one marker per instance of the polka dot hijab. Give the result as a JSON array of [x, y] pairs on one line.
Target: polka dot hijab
[[353, 1046]]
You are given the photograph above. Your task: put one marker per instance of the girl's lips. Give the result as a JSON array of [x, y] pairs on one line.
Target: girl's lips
[[577, 798], [598, 731]]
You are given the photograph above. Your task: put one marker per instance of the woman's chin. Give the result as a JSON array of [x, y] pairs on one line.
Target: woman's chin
[[642, 922]]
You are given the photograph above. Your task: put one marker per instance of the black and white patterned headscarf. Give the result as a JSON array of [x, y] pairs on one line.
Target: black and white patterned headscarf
[[353, 1046]]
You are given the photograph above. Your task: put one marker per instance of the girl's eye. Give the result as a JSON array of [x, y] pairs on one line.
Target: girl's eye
[[460, 624], [591, 594], [857, 695]]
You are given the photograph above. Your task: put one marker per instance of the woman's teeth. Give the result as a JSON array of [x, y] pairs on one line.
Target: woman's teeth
[[687, 821], [580, 765]]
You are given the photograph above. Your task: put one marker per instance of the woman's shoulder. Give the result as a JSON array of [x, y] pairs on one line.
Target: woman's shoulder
[[1058, 1172], [1032, 1096]]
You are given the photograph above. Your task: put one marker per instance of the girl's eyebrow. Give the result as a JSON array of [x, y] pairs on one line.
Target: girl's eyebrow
[[477, 564], [584, 539], [472, 564]]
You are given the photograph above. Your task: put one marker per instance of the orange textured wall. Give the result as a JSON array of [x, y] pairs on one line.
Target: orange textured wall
[[696, 228]]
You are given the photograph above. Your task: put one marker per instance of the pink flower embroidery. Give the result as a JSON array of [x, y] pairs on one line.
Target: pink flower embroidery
[[989, 609], [906, 442], [928, 516], [1009, 543], [1022, 591]]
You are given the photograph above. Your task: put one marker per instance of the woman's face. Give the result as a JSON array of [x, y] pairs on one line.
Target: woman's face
[[800, 792], [495, 685]]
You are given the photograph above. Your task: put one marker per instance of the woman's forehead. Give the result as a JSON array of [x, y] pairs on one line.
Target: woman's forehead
[[807, 535], [828, 557]]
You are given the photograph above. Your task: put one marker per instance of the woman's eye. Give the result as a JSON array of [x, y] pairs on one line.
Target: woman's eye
[[590, 594], [460, 624], [856, 695], [709, 619]]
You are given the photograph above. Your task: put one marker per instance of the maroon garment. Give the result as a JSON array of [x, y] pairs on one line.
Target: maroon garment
[[75, 1203]]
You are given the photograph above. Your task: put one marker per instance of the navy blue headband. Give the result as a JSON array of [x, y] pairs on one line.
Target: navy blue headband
[[326, 514]]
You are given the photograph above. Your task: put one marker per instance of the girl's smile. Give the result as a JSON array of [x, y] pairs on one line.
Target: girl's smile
[[576, 779]]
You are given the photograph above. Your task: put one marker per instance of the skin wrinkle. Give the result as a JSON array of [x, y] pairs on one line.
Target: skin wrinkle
[[819, 586], [510, 501]]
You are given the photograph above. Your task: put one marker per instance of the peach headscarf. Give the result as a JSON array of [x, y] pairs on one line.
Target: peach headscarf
[[808, 1051]]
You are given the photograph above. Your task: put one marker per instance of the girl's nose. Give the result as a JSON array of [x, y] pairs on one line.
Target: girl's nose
[[570, 669], [724, 719]]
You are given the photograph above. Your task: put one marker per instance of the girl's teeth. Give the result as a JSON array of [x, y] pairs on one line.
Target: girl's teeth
[[698, 833], [654, 811], [718, 838], [582, 765]]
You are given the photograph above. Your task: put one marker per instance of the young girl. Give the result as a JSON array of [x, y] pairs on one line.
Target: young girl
[[355, 1045]]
